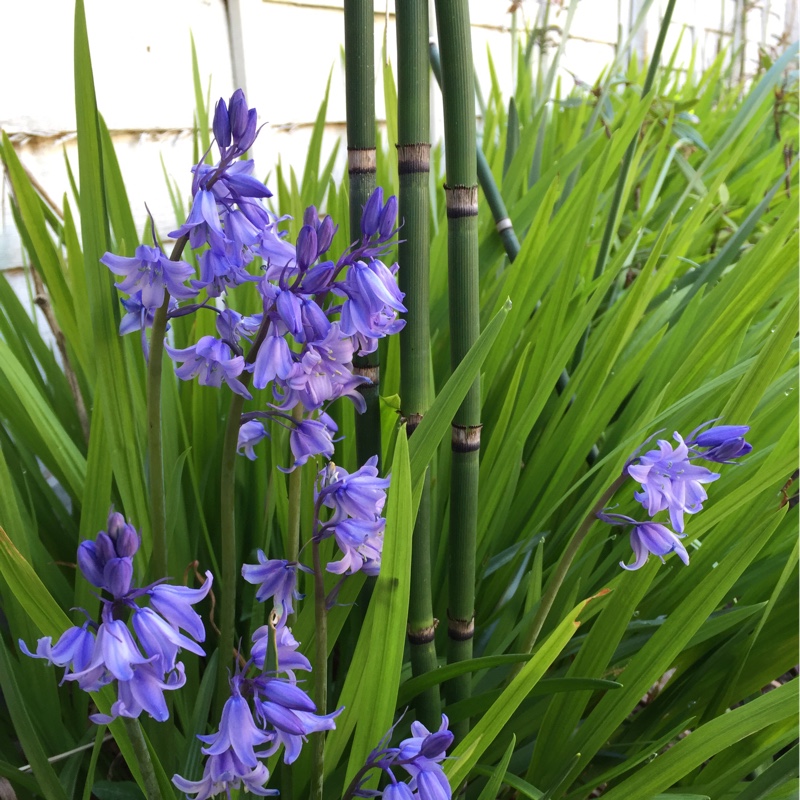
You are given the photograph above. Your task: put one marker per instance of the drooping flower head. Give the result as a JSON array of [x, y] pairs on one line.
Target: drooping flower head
[[646, 538], [142, 664], [722, 443], [670, 481]]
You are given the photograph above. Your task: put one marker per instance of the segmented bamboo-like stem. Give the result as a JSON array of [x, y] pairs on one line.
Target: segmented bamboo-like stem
[[461, 192], [413, 166], [359, 54]]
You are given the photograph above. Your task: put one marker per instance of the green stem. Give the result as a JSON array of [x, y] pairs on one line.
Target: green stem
[[321, 673], [413, 159], [461, 191], [227, 526], [134, 730], [295, 485], [359, 55], [155, 450], [567, 557]]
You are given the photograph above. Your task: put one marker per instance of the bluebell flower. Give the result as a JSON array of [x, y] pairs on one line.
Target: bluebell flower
[[223, 773], [721, 444], [250, 434], [203, 224], [151, 273], [646, 538], [310, 438], [273, 360], [420, 757], [211, 360], [670, 481], [143, 692], [360, 542], [361, 495], [238, 730], [379, 218], [288, 656], [73, 650], [174, 603], [160, 640], [372, 302], [278, 579]]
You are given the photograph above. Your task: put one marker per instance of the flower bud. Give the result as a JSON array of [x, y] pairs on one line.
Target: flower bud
[[372, 212], [388, 217], [117, 576], [222, 124], [89, 563], [104, 547]]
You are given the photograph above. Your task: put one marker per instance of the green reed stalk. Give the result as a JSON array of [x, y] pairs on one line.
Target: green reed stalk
[[461, 192], [503, 224], [413, 166], [359, 57], [155, 449]]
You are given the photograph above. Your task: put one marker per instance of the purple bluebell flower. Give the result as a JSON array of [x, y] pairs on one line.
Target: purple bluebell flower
[[203, 224], [372, 302], [211, 360], [309, 438], [646, 538], [238, 730], [144, 691], [107, 562], [288, 657], [360, 495], [721, 444], [151, 273], [670, 481], [160, 640], [73, 650], [223, 773], [273, 360], [278, 579], [174, 603], [360, 542], [420, 757], [250, 434]]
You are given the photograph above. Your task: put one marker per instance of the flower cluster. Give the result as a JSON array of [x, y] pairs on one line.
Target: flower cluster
[[263, 713], [671, 482], [143, 662], [318, 311], [420, 756]]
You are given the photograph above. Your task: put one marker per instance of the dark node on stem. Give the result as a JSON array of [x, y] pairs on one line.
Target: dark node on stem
[[422, 635], [462, 201], [371, 372], [466, 438], [361, 160], [504, 224], [413, 158], [412, 422], [460, 630]]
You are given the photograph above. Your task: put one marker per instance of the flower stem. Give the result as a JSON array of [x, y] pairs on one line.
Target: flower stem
[[155, 449], [320, 673], [295, 484], [227, 527], [134, 731], [554, 584]]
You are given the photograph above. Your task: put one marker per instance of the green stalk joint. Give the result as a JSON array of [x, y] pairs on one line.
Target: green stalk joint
[[361, 161], [424, 635], [413, 158], [460, 630], [462, 201], [465, 438]]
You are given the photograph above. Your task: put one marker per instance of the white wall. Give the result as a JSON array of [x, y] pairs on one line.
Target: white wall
[[283, 52]]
